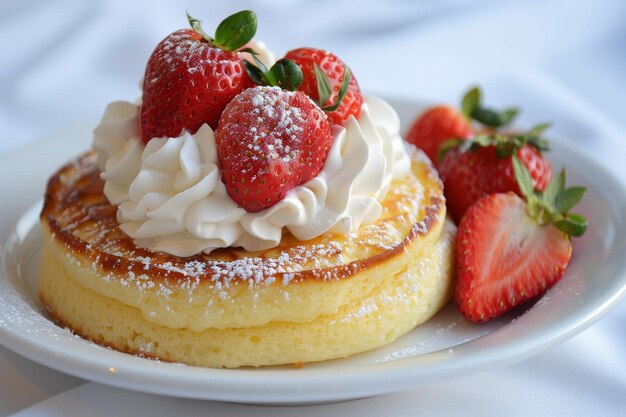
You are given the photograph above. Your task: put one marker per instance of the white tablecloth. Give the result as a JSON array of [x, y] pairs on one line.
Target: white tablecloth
[[561, 61]]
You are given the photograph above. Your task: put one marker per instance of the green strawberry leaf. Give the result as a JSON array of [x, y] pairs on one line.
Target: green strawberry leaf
[[250, 51], [524, 180], [286, 74], [567, 199], [508, 115], [256, 74], [486, 117], [323, 86], [507, 145], [342, 92], [539, 143], [573, 225], [236, 30], [470, 102], [196, 25], [482, 141], [493, 118], [260, 64], [554, 188], [471, 108], [506, 148], [539, 129], [553, 204], [447, 146], [533, 137]]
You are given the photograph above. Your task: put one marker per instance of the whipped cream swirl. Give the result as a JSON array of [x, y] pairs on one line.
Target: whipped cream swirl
[[171, 198]]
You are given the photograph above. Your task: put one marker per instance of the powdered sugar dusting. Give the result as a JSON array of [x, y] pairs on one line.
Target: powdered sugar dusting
[[277, 267], [272, 107], [183, 47], [188, 275], [209, 283]]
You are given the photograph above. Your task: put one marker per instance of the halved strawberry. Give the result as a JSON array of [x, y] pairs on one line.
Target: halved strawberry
[[190, 77], [472, 169], [509, 251]]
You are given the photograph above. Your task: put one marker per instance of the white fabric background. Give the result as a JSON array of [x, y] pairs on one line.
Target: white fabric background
[[563, 61]]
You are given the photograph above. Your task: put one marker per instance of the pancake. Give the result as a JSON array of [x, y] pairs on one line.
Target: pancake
[[303, 301]]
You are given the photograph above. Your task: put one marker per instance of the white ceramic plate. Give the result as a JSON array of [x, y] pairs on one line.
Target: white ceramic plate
[[444, 347]]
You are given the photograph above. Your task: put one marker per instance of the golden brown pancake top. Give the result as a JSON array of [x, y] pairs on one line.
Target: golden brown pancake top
[[79, 215]]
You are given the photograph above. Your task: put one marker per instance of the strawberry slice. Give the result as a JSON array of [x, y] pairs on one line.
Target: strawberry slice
[[510, 251]]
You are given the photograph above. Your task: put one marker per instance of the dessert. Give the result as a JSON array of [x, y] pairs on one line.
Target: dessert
[[294, 227]]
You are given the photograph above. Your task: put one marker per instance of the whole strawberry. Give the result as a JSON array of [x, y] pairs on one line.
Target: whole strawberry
[[324, 73], [272, 138], [484, 166], [269, 141], [441, 123], [190, 77], [437, 125], [510, 251]]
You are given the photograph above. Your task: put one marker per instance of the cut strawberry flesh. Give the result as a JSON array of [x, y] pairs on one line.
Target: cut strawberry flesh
[[505, 257]]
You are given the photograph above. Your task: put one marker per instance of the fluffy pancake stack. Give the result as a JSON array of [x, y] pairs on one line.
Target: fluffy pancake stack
[[302, 301]]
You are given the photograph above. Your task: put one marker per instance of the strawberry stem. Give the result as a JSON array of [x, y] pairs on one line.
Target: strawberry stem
[[505, 145]]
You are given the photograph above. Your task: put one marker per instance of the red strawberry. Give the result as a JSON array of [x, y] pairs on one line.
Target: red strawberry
[[508, 253], [269, 141], [504, 258], [435, 126], [441, 123], [485, 167], [334, 69], [191, 77]]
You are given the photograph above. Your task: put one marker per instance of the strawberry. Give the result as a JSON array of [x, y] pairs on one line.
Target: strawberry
[[483, 166], [269, 141], [435, 126], [273, 138], [509, 251], [190, 77], [441, 123], [318, 65]]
